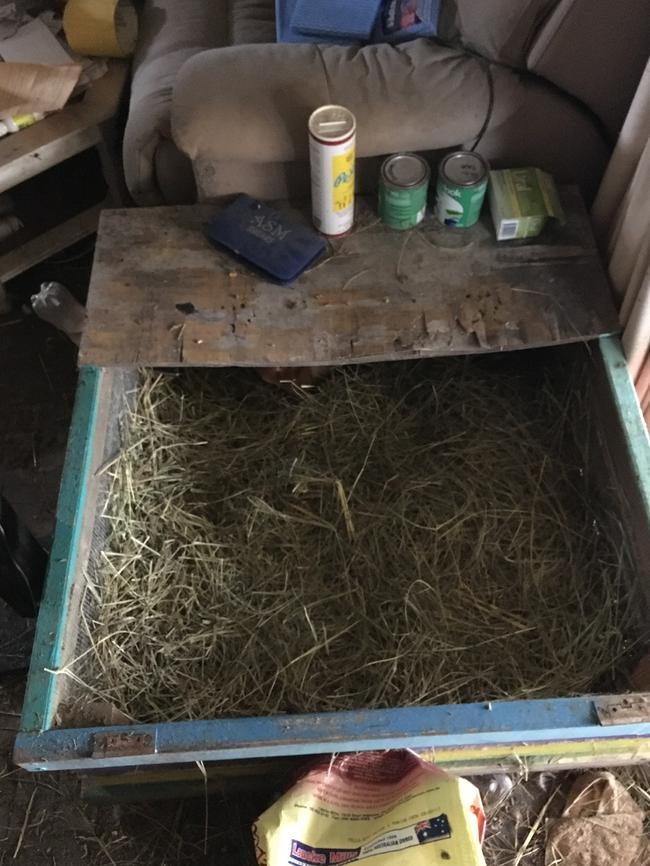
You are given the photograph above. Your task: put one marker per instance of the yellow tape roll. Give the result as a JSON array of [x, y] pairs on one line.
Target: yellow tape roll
[[101, 28]]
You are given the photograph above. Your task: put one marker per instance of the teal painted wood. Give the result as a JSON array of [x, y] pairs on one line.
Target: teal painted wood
[[38, 709], [506, 725], [502, 726], [627, 404]]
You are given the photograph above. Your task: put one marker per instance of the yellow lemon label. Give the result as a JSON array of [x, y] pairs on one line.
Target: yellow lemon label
[[343, 180]]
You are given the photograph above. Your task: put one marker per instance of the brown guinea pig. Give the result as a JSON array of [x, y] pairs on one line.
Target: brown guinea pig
[[302, 377]]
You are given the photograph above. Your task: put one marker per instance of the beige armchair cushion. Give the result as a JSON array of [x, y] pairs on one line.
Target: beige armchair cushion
[[419, 95], [251, 134], [171, 31]]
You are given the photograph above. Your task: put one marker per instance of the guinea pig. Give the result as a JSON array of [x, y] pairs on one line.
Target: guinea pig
[[302, 377]]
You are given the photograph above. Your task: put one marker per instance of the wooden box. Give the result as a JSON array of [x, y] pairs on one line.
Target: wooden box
[[595, 730]]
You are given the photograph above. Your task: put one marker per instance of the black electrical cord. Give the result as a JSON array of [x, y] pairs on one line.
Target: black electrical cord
[[525, 75], [490, 106], [486, 65]]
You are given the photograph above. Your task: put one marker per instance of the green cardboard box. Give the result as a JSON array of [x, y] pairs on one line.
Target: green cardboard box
[[521, 201]]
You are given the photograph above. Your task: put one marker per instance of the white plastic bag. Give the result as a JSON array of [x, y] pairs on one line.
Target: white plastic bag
[[55, 304]]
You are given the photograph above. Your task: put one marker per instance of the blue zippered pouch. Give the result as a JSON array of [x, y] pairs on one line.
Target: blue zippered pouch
[[286, 32], [266, 239], [351, 19]]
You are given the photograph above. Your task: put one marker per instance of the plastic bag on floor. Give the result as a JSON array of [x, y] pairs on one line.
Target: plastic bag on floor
[[601, 825], [388, 807], [55, 304]]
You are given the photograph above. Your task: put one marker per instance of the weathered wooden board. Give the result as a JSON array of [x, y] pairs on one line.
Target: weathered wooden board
[[161, 295]]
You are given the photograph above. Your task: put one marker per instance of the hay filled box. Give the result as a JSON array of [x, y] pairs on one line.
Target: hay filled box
[[429, 542]]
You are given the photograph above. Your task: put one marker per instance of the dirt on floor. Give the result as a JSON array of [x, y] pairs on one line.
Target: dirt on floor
[[44, 821]]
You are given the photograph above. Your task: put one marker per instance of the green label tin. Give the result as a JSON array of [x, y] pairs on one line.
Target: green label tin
[[462, 182], [403, 188]]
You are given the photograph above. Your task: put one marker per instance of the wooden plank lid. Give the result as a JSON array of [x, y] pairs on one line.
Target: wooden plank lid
[[160, 295]]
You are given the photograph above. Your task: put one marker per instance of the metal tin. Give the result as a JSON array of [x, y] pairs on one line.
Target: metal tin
[[403, 188], [462, 182], [332, 138]]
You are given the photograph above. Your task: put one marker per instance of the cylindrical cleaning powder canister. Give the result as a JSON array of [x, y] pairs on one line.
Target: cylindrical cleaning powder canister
[[332, 138]]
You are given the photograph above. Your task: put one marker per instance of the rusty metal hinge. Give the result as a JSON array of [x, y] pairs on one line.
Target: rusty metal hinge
[[122, 745], [623, 709]]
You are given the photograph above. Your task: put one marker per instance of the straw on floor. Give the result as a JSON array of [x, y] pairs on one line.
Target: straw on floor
[[400, 534], [521, 808]]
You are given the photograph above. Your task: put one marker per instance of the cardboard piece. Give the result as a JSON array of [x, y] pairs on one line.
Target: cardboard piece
[[38, 74], [601, 825], [34, 87]]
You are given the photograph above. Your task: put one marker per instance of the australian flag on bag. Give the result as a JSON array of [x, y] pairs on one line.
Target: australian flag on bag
[[433, 830]]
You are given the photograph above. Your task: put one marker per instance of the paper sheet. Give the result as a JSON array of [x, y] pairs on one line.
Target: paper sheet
[[34, 43]]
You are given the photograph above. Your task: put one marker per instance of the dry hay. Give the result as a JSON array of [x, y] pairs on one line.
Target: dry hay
[[401, 534]]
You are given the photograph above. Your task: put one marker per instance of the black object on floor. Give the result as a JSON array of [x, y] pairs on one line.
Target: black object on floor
[[23, 563]]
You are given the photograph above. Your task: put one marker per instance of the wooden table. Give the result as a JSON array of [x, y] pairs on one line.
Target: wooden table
[[83, 124], [161, 295]]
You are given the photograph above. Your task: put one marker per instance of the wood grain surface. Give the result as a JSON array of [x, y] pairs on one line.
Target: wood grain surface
[[161, 295]]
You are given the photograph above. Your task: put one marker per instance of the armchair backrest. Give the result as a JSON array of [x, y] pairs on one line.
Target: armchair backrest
[[500, 30], [595, 50]]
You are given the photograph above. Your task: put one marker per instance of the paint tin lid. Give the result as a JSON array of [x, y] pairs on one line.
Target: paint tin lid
[[464, 168], [405, 170], [332, 124]]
